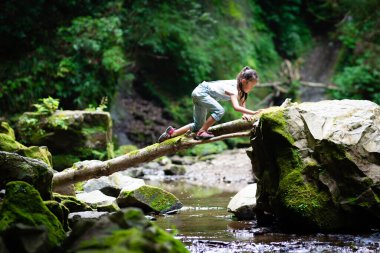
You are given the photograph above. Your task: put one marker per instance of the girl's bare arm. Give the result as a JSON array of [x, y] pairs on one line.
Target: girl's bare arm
[[239, 108]]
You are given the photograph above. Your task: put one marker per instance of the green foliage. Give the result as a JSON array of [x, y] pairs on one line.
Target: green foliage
[[47, 106], [101, 107], [359, 67], [358, 82], [80, 65], [292, 36]]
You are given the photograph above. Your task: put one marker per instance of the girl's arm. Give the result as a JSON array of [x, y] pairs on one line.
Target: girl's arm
[[237, 107]]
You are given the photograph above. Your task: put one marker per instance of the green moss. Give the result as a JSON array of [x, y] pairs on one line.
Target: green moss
[[23, 204], [303, 201], [8, 141], [8, 144], [161, 202], [275, 120], [157, 199], [40, 153], [288, 160], [71, 203], [138, 235], [60, 211], [7, 130], [79, 186], [134, 152]]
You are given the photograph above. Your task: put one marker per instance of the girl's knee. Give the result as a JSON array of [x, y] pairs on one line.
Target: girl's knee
[[218, 114]]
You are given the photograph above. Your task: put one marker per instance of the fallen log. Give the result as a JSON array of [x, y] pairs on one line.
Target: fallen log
[[86, 170]]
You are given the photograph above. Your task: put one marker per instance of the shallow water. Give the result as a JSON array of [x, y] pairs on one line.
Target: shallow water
[[204, 225]]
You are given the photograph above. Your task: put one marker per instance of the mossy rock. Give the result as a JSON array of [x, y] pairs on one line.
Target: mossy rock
[[70, 135], [14, 167], [71, 203], [39, 153], [149, 198], [128, 232], [60, 211], [23, 204], [7, 139], [8, 143], [296, 202], [313, 184]]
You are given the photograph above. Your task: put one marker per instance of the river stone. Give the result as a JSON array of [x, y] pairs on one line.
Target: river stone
[[113, 184], [318, 165], [243, 204], [177, 170], [14, 167], [26, 224], [95, 199], [123, 231], [86, 215], [149, 198]]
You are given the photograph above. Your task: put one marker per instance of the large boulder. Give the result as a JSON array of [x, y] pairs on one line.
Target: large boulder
[[71, 136], [149, 198], [318, 165], [26, 224], [14, 167]]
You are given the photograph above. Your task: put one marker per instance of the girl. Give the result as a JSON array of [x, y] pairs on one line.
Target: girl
[[205, 99]]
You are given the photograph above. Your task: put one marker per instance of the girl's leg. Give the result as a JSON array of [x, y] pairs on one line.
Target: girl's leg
[[199, 115], [208, 103], [181, 130], [209, 122]]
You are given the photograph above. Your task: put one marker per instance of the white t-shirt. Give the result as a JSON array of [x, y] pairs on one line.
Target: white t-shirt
[[219, 88]]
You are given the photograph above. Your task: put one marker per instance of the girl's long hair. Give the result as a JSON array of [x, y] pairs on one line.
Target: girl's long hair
[[248, 74]]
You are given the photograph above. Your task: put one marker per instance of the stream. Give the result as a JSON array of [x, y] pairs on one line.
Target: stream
[[204, 225]]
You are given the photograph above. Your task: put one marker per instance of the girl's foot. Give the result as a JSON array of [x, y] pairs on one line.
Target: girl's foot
[[204, 135], [167, 134]]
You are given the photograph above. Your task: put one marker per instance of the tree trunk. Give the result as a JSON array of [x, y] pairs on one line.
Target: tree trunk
[[94, 169]]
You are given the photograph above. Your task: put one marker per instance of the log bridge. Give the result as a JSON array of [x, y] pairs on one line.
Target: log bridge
[[86, 170]]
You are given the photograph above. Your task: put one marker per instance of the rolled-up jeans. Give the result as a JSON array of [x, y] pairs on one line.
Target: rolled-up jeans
[[205, 101]]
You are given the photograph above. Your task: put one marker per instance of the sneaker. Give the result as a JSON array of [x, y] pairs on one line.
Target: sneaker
[[167, 134], [203, 135]]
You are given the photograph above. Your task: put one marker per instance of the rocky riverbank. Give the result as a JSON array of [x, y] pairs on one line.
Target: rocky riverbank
[[231, 170]]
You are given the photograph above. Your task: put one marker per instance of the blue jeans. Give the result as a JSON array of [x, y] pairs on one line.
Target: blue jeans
[[204, 101]]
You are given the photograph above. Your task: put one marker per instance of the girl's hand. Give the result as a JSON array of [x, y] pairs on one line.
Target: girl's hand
[[246, 117]]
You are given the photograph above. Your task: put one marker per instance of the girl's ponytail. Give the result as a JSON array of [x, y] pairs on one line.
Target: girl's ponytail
[[248, 74]]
